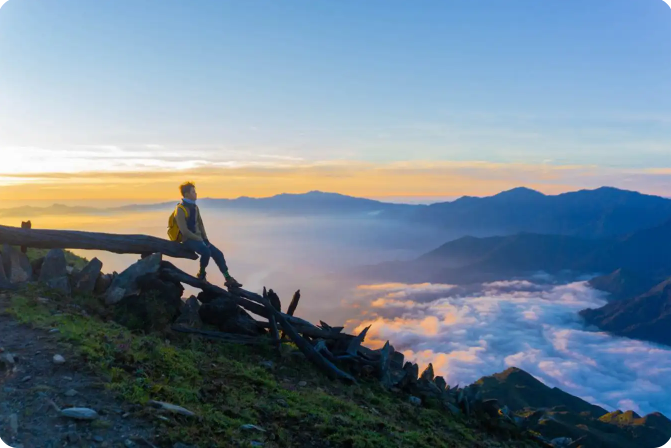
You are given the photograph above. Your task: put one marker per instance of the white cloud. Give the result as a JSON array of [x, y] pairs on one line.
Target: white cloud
[[469, 334]]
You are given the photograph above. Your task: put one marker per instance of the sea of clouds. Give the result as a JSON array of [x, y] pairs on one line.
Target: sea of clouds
[[471, 332]]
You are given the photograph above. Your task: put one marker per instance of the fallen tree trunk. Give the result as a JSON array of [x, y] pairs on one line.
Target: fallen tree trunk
[[315, 332], [226, 337], [169, 271], [72, 239]]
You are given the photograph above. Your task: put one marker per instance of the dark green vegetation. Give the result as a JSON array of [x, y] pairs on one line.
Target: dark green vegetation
[[554, 414], [227, 386]]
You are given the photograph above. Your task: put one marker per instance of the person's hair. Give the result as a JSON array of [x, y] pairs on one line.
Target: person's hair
[[185, 187]]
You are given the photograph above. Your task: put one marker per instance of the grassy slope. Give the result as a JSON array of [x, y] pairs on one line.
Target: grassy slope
[[226, 387]]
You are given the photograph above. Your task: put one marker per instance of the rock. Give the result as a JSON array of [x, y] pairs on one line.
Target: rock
[[13, 424], [70, 393], [7, 362], [54, 271], [126, 283], [440, 382], [98, 439], [397, 359], [491, 407], [37, 266], [415, 400], [282, 402], [103, 283], [229, 317], [58, 359], [85, 281], [394, 378], [428, 374], [154, 308], [79, 413], [249, 427], [302, 383], [16, 265], [189, 314], [129, 443], [268, 365], [171, 408], [412, 371], [561, 442], [26, 378]]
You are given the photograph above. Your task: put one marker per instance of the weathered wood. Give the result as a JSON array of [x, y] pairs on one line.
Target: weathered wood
[[355, 343], [308, 350], [245, 299], [315, 332], [226, 337], [25, 225], [71, 239], [274, 333], [294, 303]]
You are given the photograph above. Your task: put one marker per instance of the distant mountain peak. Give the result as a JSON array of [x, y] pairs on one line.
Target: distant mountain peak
[[520, 192]]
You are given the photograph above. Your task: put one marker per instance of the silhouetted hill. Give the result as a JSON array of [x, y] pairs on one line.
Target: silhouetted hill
[[520, 390], [602, 212], [556, 414], [470, 259], [646, 317], [622, 284]]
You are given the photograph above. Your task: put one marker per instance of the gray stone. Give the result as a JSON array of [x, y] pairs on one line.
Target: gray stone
[[249, 427], [98, 439], [129, 443], [302, 383], [415, 400], [16, 265], [70, 393], [85, 281], [58, 359], [103, 283], [428, 374], [171, 408], [189, 315], [268, 365], [54, 266], [397, 359], [228, 317], [7, 362], [79, 413], [14, 424], [412, 371], [440, 382], [126, 283]]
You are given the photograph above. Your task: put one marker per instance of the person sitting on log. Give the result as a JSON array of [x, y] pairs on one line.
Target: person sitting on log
[[186, 226]]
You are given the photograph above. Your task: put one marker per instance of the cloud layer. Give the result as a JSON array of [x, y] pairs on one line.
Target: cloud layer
[[469, 334]]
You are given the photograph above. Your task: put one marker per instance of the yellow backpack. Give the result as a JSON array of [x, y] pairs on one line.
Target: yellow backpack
[[173, 229]]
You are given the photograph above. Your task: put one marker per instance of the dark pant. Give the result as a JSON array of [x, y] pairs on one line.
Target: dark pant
[[207, 250]]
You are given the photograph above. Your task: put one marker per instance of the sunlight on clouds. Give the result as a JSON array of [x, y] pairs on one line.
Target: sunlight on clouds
[[468, 334]]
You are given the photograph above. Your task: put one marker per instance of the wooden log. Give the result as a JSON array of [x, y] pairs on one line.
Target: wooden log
[[274, 333], [25, 225], [242, 297], [308, 350], [355, 343], [294, 303], [226, 337], [71, 239], [315, 332]]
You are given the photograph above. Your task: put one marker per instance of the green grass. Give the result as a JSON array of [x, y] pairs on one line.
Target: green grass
[[227, 388], [71, 259]]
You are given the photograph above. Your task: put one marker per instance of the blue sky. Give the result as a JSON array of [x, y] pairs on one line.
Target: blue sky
[[89, 85]]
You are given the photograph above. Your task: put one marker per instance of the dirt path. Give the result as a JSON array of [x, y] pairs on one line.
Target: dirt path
[[27, 419]]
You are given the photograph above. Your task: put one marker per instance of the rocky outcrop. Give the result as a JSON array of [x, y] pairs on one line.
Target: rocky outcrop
[[16, 265], [126, 283], [229, 318], [85, 281], [154, 307], [53, 272], [189, 314]]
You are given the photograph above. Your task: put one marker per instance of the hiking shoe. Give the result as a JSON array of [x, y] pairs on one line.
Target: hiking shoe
[[232, 283], [201, 276]]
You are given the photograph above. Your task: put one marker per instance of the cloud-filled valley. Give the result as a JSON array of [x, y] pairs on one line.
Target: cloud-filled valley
[[470, 333]]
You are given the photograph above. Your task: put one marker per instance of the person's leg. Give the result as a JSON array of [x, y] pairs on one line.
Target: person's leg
[[219, 259], [201, 249]]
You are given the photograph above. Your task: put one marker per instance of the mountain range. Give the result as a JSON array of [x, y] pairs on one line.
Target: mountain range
[[554, 413], [603, 212]]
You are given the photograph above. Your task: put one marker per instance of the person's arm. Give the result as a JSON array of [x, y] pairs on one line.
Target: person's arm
[[202, 227], [183, 228]]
